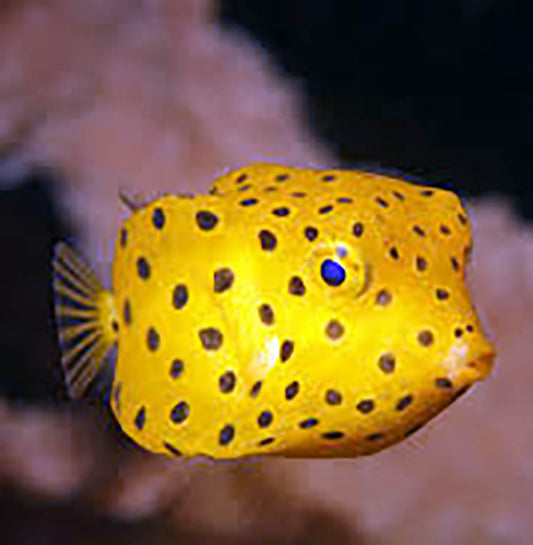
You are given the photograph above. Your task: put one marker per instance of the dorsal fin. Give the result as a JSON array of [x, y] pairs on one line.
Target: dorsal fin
[[135, 200]]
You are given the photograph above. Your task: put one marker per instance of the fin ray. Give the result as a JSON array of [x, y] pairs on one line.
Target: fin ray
[[85, 315]]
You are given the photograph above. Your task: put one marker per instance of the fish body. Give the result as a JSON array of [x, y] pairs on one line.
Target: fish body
[[298, 312]]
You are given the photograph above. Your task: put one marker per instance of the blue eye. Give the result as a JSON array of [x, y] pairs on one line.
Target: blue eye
[[332, 272]]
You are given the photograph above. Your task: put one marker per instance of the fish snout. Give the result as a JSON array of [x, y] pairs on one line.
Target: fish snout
[[478, 363]]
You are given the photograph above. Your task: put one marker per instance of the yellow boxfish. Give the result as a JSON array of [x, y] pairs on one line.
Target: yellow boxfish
[[295, 312]]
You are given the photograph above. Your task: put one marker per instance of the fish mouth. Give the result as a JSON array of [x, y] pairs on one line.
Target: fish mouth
[[476, 368]]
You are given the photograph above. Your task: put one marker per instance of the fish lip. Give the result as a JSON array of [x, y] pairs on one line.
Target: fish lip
[[477, 368]]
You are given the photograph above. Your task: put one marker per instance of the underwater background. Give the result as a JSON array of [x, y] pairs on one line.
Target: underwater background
[[166, 95]]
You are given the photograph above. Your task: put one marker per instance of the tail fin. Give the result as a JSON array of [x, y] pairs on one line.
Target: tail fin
[[86, 319]]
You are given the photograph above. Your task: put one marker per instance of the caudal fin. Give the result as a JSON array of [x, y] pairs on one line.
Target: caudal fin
[[86, 319]]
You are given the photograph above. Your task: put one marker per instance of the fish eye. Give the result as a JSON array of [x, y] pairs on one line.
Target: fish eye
[[332, 273]]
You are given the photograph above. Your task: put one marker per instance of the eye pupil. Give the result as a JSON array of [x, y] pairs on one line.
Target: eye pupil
[[332, 272]]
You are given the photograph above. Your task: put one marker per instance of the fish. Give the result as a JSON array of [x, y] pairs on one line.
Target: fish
[[294, 312]]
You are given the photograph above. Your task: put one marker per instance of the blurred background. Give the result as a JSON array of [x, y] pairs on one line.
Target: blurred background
[[166, 95]]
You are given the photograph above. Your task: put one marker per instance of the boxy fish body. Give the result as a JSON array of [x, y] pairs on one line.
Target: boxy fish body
[[289, 311]]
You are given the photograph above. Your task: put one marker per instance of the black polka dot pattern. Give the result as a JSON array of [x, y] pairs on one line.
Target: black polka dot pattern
[[265, 419], [334, 330], [158, 218], [123, 237], [172, 449], [387, 363], [291, 391], [226, 435], [333, 397], [152, 339], [180, 296], [281, 212], [206, 220], [358, 229], [176, 368], [211, 338], [223, 279], [266, 441], [383, 298], [333, 435], [404, 402], [266, 314], [425, 338], [143, 268], [227, 381], [296, 286], [180, 412], [268, 240], [444, 383], [286, 350], [140, 418], [256, 388], [365, 406], [126, 312], [311, 233], [248, 202], [308, 423], [325, 209]]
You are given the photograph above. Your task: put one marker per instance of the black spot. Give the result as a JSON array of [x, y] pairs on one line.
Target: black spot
[[282, 177], [158, 218], [393, 252], [299, 194], [143, 268], [325, 209], [387, 363], [375, 437], [241, 178], [114, 326], [311, 233], [286, 350], [206, 220], [421, 264], [180, 412], [398, 195], [382, 202], [445, 230], [268, 240], [223, 279], [463, 220], [244, 188], [266, 314], [126, 312], [419, 231], [281, 212], [455, 264], [442, 294], [333, 397], [140, 418], [211, 338], [443, 382], [270, 189], [256, 388], [308, 423], [123, 237], [404, 402], [344, 200], [176, 368], [180, 296], [334, 330], [470, 328], [365, 406], [227, 433], [152, 339], [358, 229], [328, 178], [227, 381], [296, 286], [383, 298], [291, 391], [172, 449], [248, 202], [426, 193], [265, 419], [458, 332], [266, 441], [425, 337], [333, 435]]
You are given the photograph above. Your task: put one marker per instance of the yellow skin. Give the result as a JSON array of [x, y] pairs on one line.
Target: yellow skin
[[386, 305]]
